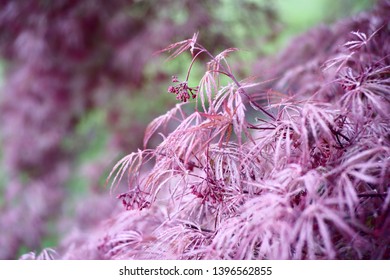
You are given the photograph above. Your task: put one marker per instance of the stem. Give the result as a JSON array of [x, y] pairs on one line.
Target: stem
[[372, 194], [192, 63]]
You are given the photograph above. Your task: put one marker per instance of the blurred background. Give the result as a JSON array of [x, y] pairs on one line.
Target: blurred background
[[80, 81]]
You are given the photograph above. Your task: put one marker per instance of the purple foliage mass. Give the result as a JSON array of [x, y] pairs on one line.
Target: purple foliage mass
[[295, 168]]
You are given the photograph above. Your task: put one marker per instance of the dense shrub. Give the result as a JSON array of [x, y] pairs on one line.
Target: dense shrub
[[295, 168]]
